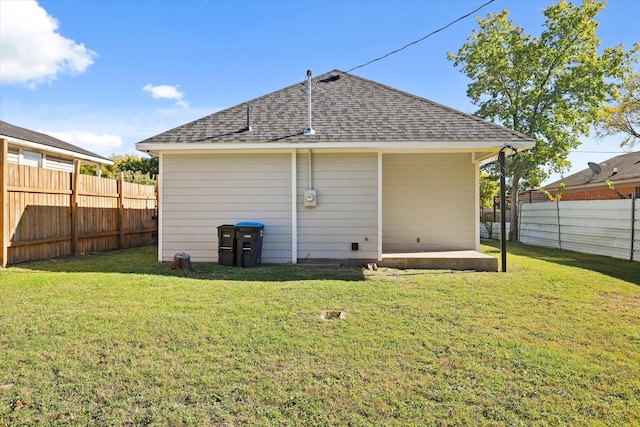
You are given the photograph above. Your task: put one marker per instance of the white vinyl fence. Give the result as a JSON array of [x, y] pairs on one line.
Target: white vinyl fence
[[602, 227], [493, 230]]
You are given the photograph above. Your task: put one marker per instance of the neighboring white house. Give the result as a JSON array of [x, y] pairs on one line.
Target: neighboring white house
[[388, 172], [26, 147]]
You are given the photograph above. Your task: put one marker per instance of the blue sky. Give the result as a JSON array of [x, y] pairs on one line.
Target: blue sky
[[105, 74]]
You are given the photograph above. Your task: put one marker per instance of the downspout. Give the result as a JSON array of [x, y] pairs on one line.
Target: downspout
[[294, 208]]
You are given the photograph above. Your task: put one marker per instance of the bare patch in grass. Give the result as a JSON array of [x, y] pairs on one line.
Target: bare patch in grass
[[619, 301], [541, 297]]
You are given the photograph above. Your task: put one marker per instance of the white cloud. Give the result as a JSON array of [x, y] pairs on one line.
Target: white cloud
[[31, 49], [102, 144], [167, 92]]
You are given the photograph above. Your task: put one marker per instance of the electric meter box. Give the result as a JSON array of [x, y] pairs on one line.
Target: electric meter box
[[310, 198]]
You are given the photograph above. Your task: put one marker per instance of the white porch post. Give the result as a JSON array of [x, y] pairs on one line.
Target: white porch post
[[379, 205], [476, 168]]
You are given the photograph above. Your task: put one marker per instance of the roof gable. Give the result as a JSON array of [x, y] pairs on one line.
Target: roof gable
[[9, 130], [344, 108]]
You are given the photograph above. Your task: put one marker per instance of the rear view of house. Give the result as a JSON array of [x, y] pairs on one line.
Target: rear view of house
[[336, 167]]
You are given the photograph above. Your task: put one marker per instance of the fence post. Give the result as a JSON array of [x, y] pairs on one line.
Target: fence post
[[121, 211], [503, 208], [558, 218], [633, 223], [75, 221], [4, 203]]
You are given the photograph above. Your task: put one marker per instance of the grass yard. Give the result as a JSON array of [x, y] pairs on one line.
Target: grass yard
[[119, 339]]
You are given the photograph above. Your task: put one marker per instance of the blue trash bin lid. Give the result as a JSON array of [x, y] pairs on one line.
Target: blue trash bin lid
[[250, 224]]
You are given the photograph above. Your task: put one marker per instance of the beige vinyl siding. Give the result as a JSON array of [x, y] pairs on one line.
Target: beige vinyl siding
[[347, 206], [430, 197], [202, 191]]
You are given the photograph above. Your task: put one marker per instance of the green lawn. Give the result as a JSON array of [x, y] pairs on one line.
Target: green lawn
[[119, 339]]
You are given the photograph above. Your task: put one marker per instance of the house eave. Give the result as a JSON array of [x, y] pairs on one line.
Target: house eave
[[491, 147], [54, 150]]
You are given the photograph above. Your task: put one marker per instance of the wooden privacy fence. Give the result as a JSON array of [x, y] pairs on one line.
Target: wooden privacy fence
[[602, 227], [47, 213]]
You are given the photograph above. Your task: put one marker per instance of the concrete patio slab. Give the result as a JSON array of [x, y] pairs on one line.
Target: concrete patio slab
[[448, 260]]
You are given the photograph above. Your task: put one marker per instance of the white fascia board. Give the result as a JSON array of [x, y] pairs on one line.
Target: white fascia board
[[50, 149], [439, 146]]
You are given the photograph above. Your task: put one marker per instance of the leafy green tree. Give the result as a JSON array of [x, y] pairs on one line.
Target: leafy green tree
[[142, 165], [489, 188], [550, 87], [623, 116], [108, 171], [140, 170]]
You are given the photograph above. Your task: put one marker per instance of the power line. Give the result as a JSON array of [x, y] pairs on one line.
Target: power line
[[599, 152], [423, 38]]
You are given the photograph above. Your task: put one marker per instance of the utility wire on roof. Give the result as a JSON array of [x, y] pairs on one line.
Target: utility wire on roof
[[423, 38]]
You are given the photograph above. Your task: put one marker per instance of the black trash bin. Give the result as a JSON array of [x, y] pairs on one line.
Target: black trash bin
[[249, 244], [227, 245]]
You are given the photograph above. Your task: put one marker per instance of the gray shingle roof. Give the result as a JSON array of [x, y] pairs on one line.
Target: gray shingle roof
[[17, 132], [627, 166], [346, 108]]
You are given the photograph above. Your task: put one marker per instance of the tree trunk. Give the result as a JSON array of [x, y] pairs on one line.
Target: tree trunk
[[513, 227]]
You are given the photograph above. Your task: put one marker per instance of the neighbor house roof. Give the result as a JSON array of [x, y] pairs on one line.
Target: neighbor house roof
[[620, 168], [21, 135], [345, 108]]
